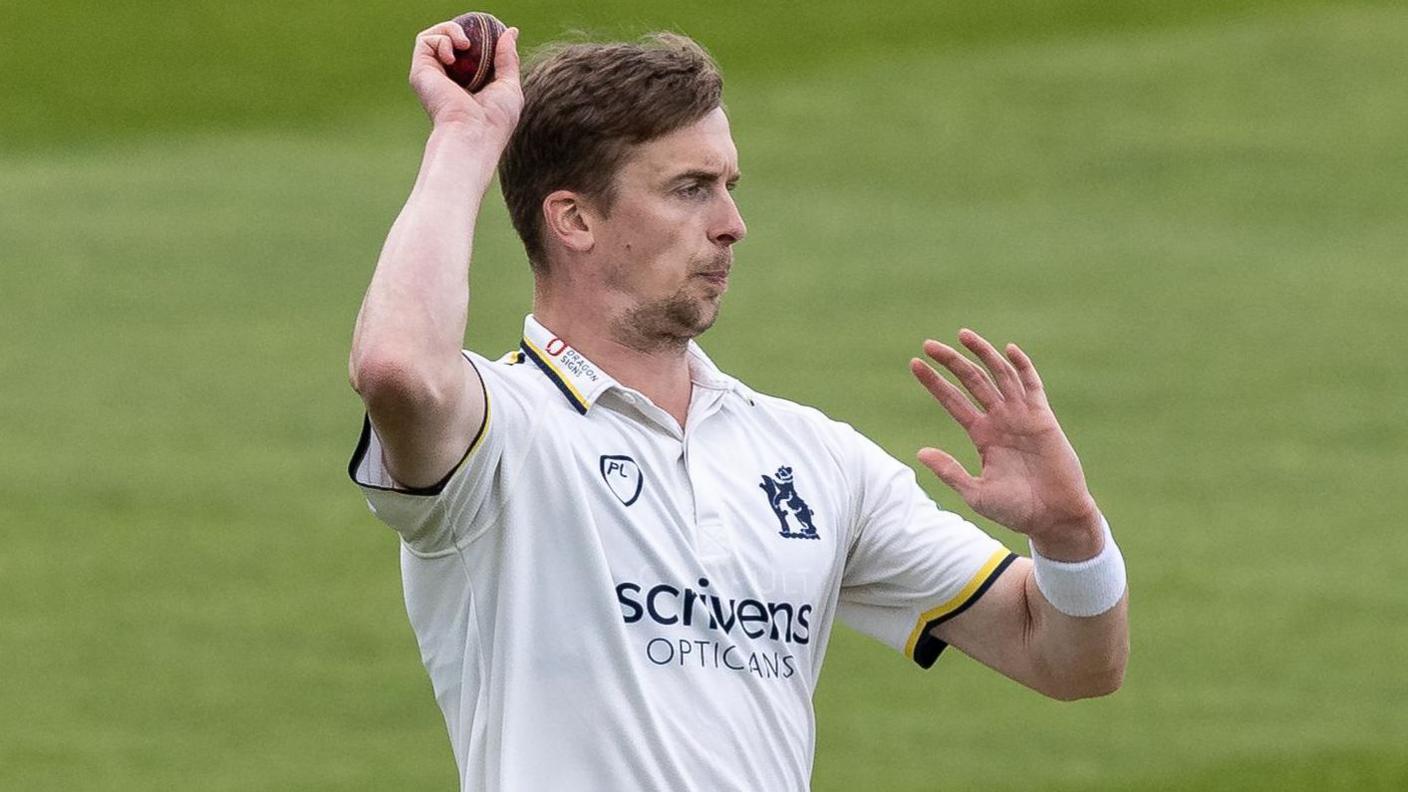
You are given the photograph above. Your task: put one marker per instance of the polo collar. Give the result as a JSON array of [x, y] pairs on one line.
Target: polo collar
[[582, 382]]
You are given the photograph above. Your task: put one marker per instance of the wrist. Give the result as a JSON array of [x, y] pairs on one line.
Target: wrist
[[472, 132], [1083, 588], [1072, 540], [463, 153]]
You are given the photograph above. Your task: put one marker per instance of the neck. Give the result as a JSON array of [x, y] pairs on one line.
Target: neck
[[659, 370]]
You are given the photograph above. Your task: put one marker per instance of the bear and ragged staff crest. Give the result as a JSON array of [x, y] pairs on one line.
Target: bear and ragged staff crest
[[784, 500]]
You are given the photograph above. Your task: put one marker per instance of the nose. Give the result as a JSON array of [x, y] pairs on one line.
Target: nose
[[729, 228]]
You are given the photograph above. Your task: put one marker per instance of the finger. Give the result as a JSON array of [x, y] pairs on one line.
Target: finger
[[434, 48], [973, 378], [444, 48], [506, 57], [950, 472], [1002, 371], [946, 393], [456, 34], [1026, 370], [444, 29]]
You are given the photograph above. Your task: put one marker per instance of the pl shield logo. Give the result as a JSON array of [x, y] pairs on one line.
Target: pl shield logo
[[784, 500], [622, 475]]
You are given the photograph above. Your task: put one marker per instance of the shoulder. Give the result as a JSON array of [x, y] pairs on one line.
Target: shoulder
[[858, 457], [796, 414], [515, 392], [509, 372], [838, 439]]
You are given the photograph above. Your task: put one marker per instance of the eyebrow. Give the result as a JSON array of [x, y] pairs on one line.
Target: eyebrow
[[704, 175]]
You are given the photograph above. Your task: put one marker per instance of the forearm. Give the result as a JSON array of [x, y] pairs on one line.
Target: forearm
[[1075, 653], [425, 401], [415, 309], [1075, 657]]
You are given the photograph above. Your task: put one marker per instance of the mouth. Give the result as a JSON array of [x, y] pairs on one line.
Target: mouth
[[714, 276], [717, 270]]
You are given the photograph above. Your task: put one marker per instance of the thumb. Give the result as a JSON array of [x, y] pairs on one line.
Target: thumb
[[506, 57], [949, 472]]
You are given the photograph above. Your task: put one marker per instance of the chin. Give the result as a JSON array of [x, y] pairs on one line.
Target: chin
[[669, 322], [704, 324], [705, 313]]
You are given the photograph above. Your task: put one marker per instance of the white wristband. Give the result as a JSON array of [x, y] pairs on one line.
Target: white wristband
[[1082, 588]]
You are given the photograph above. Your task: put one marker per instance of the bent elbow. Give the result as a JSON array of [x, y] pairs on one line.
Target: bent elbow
[[392, 382], [1085, 689], [1103, 685], [372, 375], [1088, 683]]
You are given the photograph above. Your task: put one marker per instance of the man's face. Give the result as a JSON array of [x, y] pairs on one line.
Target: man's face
[[667, 245]]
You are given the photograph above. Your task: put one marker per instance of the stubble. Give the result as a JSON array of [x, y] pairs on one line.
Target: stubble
[[668, 324]]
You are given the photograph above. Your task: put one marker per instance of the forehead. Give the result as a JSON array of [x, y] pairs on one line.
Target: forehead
[[707, 144]]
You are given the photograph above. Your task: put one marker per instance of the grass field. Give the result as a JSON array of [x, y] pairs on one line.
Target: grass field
[[1195, 216]]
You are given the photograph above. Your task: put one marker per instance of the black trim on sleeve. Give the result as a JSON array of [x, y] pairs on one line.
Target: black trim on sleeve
[[928, 648], [365, 441]]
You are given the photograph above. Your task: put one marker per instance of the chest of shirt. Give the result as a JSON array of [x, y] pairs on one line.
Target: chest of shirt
[[755, 511]]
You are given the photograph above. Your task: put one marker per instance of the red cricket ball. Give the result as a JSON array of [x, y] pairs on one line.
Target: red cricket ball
[[474, 67]]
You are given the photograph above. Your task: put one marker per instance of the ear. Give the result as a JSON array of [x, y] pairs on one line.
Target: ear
[[568, 219]]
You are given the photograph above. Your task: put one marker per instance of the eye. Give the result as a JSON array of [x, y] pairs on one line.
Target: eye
[[692, 190]]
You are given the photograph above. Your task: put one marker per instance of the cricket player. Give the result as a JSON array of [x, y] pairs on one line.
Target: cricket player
[[622, 564]]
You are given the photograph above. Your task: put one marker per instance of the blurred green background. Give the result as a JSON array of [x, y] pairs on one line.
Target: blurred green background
[[1194, 215]]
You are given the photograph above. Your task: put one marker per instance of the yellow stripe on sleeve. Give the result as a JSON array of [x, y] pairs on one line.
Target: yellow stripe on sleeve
[[478, 438], [958, 600]]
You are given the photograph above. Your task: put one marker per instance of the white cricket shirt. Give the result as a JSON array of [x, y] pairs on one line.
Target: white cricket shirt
[[606, 602]]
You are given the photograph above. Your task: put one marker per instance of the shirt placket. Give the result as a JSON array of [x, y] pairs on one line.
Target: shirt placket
[[676, 448], [713, 541]]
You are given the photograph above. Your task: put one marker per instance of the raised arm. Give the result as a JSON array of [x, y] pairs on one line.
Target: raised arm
[[1031, 482], [423, 397]]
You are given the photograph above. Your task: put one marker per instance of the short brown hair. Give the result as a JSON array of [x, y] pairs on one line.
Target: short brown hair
[[584, 106]]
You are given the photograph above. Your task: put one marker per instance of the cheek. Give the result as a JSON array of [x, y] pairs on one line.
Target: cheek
[[646, 235]]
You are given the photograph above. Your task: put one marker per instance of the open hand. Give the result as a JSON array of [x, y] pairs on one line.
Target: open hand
[[494, 109], [1031, 479]]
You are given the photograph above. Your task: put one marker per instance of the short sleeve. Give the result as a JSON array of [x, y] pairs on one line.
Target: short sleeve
[[466, 502], [912, 565]]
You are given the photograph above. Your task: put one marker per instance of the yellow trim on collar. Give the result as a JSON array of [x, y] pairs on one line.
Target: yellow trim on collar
[[565, 377]]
